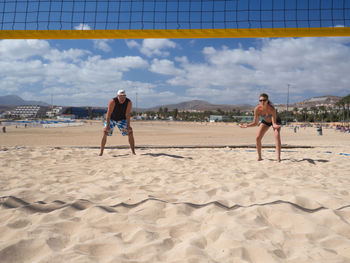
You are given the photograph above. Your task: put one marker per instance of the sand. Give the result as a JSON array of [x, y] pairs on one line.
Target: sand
[[61, 202]]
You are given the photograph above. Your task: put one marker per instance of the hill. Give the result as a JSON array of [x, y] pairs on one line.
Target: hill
[[14, 100], [199, 105], [320, 101]]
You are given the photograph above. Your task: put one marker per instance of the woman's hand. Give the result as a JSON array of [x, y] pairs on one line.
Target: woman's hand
[[244, 125]]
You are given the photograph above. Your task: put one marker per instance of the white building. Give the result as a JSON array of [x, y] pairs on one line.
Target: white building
[[54, 112], [26, 111]]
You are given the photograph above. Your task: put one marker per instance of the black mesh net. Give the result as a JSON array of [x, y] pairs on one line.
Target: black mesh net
[[172, 14]]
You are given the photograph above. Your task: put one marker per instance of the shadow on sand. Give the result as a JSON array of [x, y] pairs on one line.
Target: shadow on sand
[[167, 155], [312, 161]]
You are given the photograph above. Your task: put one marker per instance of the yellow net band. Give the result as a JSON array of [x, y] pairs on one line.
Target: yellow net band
[[176, 33]]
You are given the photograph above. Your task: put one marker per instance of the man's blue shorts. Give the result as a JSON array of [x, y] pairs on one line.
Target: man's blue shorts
[[122, 126]]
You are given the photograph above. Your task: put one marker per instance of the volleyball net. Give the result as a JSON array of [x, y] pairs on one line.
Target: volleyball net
[[89, 19]]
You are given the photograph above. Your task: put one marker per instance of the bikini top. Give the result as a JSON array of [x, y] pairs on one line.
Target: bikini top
[[267, 115]]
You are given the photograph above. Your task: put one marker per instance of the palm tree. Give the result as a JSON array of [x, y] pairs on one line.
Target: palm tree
[[347, 103], [295, 112], [315, 110], [304, 112], [160, 112], [175, 113], [340, 106], [166, 112], [220, 111], [323, 112], [330, 113]]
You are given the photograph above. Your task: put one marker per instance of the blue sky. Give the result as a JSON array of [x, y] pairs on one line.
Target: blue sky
[[163, 71]]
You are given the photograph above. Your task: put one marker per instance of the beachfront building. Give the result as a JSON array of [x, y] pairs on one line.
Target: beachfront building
[[5, 114], [82, 113], [215, 118], [244, 118], [98, 113], [54, 112], [75, 112], [26, 111]]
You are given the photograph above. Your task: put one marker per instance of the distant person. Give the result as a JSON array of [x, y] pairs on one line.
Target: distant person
[[267, 114], [4, 129], [118, 115]]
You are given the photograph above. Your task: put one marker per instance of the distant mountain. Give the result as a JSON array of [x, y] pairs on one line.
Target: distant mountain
[[14, 100], [199, 105], [324, 99], [329, 99]]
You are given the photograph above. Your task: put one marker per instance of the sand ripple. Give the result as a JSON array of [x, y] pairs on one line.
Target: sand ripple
[[175, 205]]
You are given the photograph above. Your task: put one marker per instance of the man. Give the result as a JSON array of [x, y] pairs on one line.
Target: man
[[118, 114]]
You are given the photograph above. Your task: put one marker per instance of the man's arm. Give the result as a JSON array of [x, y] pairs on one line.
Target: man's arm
[[128, 110], [111, 106]]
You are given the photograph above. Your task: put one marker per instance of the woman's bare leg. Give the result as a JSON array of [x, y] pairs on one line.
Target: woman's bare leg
[[277, 133], [261, 132]]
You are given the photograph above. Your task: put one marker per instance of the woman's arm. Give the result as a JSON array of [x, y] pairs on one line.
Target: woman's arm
[[255, 121], [274, 118]]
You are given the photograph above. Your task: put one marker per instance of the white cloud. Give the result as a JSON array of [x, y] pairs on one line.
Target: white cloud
[[129, 62], [153, 47], [132, 44], [316, 65], [73, 75], [82, 27], [102, 44], [73, 55], [77, 76], [165, 67], [22, 49]]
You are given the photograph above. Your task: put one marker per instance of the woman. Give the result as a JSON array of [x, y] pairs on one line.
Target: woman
[[268, 117]]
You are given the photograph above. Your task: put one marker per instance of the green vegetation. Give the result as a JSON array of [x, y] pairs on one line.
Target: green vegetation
[[338, 113], [165, 114]]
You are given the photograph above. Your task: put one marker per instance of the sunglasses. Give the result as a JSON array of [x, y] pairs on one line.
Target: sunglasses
[[263, 100], [122, 96]]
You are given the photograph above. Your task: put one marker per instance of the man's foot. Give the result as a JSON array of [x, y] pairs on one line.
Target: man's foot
[[259, 159], [100, 154]]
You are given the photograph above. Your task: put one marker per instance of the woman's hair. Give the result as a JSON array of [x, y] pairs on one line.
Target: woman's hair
[[264, 95]]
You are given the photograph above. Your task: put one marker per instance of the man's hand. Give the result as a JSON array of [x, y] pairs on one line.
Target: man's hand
[[129, 129], [244, 125], [106, 129]]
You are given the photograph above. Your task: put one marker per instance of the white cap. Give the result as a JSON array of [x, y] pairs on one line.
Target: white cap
[[121, 92]]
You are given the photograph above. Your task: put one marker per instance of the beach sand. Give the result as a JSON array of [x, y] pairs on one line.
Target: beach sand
[[61, 202]]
